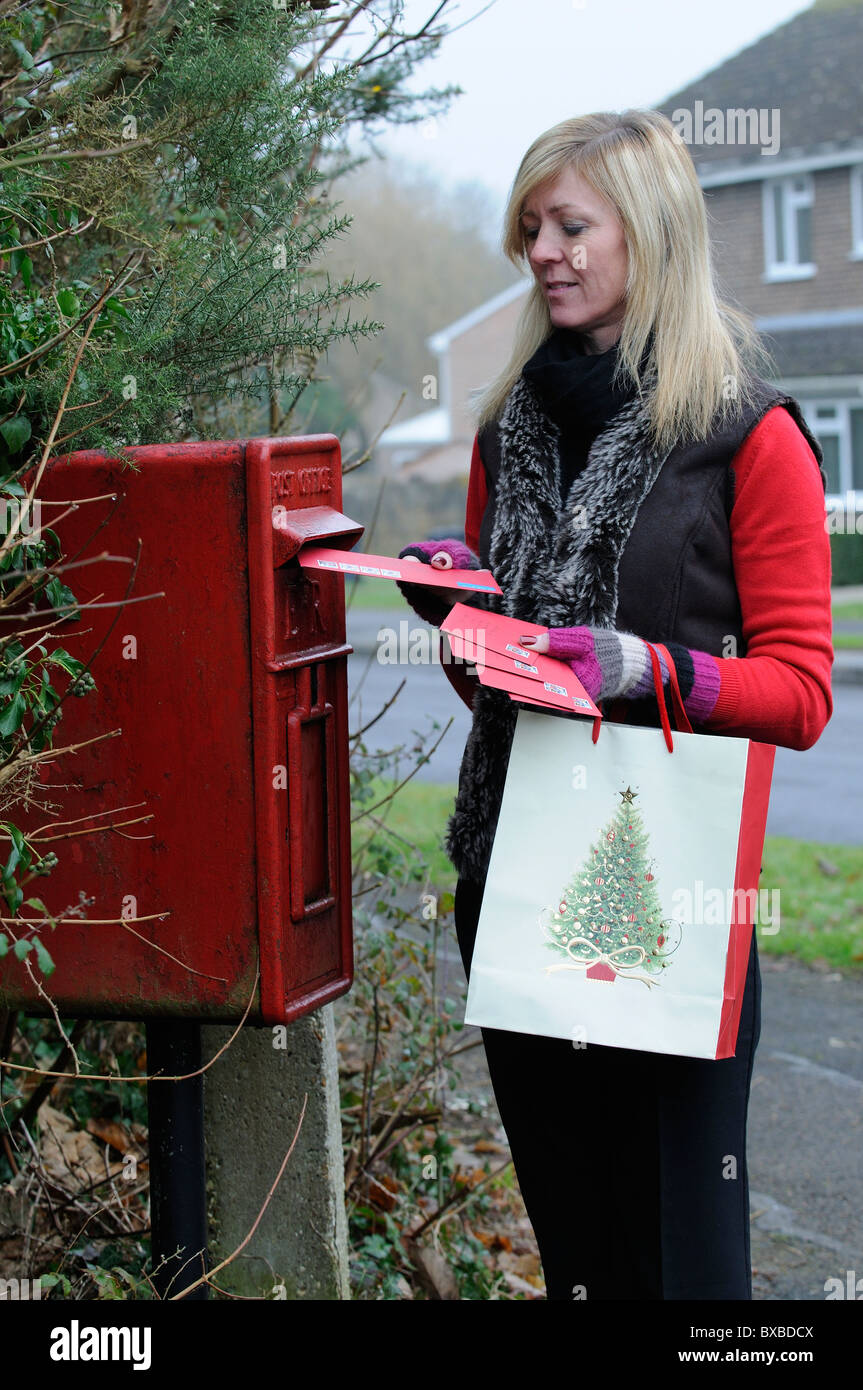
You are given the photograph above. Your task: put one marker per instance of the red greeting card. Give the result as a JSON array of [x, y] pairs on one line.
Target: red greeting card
[[323, 557]]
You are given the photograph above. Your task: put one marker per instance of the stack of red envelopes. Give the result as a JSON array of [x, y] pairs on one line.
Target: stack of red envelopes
[[491, 641]]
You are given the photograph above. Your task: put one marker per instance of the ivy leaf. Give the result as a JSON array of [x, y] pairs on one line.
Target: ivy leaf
[[13, 684], [22, 948], [60, 657], [4, 944], [48, 534], [60, 596], [39, 739], [46, 964], [16, 432], [68, 303], [24, 54], [12, 716], [20, 849], [50, 1281]]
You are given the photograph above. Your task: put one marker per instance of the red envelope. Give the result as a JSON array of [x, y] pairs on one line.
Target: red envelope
[[496, 630], [550, 682], [387, 567], [537, 692], [490, 640]]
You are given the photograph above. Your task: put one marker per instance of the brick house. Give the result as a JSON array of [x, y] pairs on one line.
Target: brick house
[[786, 228], [787, 225], [436, 444]]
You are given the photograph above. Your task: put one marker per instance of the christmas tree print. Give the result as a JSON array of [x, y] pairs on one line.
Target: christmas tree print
[[609, 919]]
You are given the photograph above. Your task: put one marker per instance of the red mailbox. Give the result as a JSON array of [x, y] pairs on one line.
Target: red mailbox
[[223, 800]]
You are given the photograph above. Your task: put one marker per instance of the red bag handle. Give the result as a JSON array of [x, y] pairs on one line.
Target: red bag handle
[[681, 717]]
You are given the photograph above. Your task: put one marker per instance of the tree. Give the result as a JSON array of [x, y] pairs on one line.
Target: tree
[[609, 920], [429, 248]]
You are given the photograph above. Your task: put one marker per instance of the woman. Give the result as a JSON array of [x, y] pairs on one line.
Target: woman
[[634, 478]]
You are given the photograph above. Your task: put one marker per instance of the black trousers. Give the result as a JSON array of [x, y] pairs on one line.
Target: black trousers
[[632, 1165]]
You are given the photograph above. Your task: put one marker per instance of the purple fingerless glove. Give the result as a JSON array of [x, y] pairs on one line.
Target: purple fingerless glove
[[461, 555], [612, 664], [422, 599]]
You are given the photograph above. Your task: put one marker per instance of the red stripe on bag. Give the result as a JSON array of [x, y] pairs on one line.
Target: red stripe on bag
[[750, 847]]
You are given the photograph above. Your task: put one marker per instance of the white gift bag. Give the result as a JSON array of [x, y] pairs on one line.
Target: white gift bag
[[622, 888]]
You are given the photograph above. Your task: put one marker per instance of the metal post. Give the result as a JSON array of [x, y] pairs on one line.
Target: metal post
[[178, 1198]]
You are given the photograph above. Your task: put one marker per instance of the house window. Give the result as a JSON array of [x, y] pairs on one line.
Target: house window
[[838, 427], [787, 213], [857, 449], [857, 211]]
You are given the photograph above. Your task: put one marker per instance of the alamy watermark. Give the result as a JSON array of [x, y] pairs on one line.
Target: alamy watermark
[[734, 126], [24, 518], [723, 906], [844, 518], [850, 1287], [422, 646], [20, 1290]]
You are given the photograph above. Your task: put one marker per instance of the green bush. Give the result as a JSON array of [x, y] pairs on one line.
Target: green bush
[[846, 553]]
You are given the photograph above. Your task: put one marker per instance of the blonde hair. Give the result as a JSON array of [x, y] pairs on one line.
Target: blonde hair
[[704, 352]]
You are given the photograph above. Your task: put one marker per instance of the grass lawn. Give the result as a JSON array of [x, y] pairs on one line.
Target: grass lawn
[[853, 612], [375, 593], [821, 911], [418, 814], [820, 886]]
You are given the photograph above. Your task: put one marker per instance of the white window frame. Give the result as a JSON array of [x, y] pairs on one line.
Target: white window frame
[[792, 199], [840, 427], [856, 192]]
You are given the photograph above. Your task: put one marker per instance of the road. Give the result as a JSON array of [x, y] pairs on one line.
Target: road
[[816, 795]]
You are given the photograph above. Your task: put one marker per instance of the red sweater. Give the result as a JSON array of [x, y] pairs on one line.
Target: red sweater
[[780, 691]]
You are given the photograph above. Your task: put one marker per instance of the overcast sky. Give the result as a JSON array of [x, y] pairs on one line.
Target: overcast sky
[[524, 65]]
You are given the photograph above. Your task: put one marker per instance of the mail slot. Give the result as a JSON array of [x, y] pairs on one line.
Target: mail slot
[[207, 841]]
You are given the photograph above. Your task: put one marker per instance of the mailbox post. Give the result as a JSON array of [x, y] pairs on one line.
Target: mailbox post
[[211, 836]]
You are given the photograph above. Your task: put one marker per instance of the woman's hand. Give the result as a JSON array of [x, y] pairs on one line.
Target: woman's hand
[[579, 649], [538, 644], [611, 664], [441, 560], [447, 554]]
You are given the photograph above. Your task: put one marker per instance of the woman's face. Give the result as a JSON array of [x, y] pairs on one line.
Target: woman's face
[[577, 250]]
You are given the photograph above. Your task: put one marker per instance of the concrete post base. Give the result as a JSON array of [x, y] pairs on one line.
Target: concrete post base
[[253, 1096]]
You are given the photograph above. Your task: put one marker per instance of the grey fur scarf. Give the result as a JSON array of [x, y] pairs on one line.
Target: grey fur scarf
[[556, 565]]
